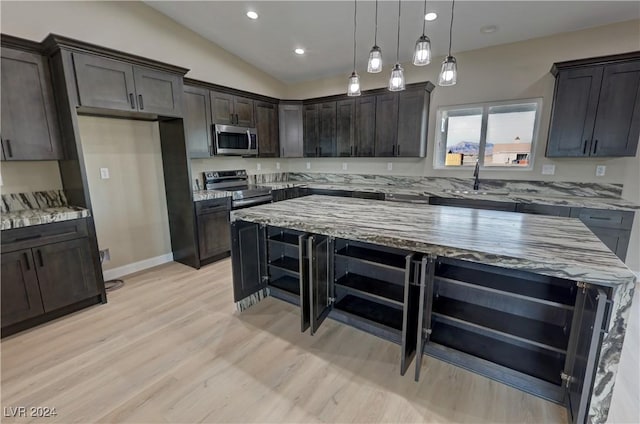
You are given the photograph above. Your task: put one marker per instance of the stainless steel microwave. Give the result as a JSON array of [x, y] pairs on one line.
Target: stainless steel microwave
[[235, 141]]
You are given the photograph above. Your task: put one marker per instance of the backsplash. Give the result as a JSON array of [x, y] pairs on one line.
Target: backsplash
[[36, 200]]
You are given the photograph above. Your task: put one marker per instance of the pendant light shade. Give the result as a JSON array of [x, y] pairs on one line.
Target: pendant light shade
[[375, 60], [396, 82], [375, 55], [448, 72], [422, 51], [353, 86]]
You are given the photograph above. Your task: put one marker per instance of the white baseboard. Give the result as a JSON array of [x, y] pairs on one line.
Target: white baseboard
[[121, 271]]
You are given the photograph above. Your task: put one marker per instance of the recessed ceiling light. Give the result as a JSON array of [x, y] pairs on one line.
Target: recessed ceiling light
[[252, 15], [431, 16], [488, 29], [299, 51]]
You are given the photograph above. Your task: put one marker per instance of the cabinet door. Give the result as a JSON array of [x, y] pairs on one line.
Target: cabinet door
[[618, 118], [222, 108], [320, 267], [311, 135], [413, 106], [243, 109], [425, 308], [575, 103], [303, 258], [197, 121], [616, 240], [582, 352], [20, 292], [29, 121], [158, 92], [365, 126], [327, 129], [213, 233], [104, 83], [267, 129], [248, 259], [386, 124], [290, 117], [345, 127], [65, 272]]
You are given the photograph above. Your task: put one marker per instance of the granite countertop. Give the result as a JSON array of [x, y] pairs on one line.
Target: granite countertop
[[561, 247], [28, 217]]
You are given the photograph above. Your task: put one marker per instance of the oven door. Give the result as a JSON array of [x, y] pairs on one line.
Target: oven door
[[232, 140]]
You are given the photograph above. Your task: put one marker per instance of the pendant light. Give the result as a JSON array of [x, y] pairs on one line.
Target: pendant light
[[353, 88], [375, 55], [396, 82], [449, 70], [422, 51]]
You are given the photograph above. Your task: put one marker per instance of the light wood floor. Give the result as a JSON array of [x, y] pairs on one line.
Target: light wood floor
[[170, 347]]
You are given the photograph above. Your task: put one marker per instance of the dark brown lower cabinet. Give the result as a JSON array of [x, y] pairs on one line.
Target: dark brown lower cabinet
[[537, 333], [214, 238], [20, 292]]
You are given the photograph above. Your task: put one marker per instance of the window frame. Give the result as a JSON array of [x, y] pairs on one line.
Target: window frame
[[439, 162]]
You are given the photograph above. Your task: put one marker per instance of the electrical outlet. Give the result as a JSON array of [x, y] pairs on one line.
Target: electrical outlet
[[308, 165], [258, 166], [548, 169], [600, 170], [389, 166], [277, 165], [344, 166], [104, 173], [105, 256]]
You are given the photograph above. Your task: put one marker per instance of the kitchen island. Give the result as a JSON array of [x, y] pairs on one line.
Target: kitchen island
[[535, 302]]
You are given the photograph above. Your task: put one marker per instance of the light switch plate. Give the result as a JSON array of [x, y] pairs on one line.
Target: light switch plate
[[344, 166], [308, 165], [104, 173], [600, 170], [258, 166], [389, 166], [548, 169], [277, 165]]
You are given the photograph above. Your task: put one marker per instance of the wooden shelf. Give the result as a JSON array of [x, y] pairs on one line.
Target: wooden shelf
[[287, 283], [364, 309], [287, 264], [285, 238], [525, 330], [372, 288], [372, 256]]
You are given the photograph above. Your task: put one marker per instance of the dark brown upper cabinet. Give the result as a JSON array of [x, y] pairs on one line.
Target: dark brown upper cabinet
[[29, 121], [311, 138], [365, 126], [413, 114], [232, 110], [291, 130], [386, 135], [596, 107], [345, 127], [197, 121], [267, 129], [111, 84], [320, 129]]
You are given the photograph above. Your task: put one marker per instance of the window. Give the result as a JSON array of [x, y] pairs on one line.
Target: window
[[497, 135]]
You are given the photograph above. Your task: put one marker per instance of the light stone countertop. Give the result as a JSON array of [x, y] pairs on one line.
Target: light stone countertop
[[560, 247], [28, 217]]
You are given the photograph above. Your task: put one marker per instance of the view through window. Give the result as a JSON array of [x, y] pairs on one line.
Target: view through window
[[499, 134]]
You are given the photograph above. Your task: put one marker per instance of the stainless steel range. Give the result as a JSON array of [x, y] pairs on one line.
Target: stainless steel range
[[244, 195]]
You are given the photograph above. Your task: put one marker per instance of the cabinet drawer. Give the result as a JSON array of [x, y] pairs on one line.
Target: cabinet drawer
[[37, 235], [543, 209], [604, 218], [215, 205]]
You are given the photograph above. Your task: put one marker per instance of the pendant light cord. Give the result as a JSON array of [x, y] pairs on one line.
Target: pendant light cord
[[424, 20], [355, 23], [453, 3], [375, 34], [398, 44]]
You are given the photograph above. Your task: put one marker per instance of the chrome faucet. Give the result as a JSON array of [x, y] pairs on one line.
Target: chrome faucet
[[476, 174]]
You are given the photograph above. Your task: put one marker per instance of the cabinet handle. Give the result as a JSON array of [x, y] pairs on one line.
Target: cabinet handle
[[584, 148], [231, 116], [26, 261], [351, 150], [283, 152], [132, 100], [40, 258], [140, 101], [595, 147], [237, 119], [355, 150], [320, 150], [393, 150], [9, 150], [398, 150], [316, 151]]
